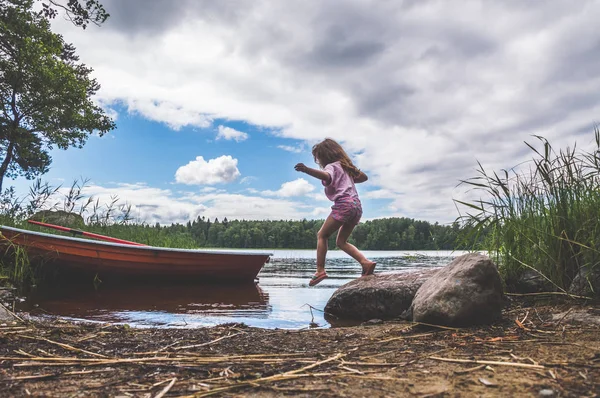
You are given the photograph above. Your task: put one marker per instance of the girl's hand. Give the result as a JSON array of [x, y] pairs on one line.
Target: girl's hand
[[320, 174], [301, 167]]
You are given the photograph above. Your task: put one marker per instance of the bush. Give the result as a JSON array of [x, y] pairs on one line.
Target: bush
[[546, 218]]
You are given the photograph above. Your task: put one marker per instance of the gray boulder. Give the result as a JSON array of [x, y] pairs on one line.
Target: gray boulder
[[381, 296], [530, 281], [586, 282], [59, 217], [468, 291]]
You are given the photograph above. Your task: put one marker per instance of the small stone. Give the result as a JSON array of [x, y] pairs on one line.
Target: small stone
[[373, 322], [547, 392], [5, 315], [487, 383]]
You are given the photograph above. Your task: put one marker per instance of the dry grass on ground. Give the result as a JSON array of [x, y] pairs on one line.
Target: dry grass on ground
[[530, 350]]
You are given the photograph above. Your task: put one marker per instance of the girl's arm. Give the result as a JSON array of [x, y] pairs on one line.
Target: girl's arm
[[320, 174], [362, 177]]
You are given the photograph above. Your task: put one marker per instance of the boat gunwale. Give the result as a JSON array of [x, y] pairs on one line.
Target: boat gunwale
[[132, 247]]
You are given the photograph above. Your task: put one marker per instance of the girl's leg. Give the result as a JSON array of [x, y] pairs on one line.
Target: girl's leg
[[329, 227], [342, 243]]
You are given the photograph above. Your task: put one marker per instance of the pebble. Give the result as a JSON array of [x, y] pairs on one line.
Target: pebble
[[547, 393], [373, 322]]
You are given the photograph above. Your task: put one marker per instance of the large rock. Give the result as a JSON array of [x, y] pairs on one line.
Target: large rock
[[59, 217], [530, 281], [468, 291], [381, 296], [586, 282]]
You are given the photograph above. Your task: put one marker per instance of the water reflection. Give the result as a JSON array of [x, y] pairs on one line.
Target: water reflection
[[153, 305], [282, 299]]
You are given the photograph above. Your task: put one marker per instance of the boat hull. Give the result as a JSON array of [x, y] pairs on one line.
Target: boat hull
[[113, 260]]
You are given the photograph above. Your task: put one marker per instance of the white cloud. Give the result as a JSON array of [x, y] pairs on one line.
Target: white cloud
[[219, 170], [173, 114], [110, 111], [227, 133], [294, 149], [148, 204], [237, 206], [247, 180], [321, 212], [152, 205], [421, 89], [380, 194], [299, 187], [318, 196]]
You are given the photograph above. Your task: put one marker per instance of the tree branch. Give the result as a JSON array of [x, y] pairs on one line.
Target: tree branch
[[80, 15]]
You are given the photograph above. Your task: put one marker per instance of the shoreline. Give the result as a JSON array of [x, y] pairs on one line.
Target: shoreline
[[536, 346]]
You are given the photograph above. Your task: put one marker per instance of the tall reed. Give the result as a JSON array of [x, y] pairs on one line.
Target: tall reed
[[543, 215], [15, 265]]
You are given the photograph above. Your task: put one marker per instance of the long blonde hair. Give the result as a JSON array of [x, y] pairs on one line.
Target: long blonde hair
[[329, 151]]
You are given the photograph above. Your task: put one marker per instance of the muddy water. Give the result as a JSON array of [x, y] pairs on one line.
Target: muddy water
[[281, 298]]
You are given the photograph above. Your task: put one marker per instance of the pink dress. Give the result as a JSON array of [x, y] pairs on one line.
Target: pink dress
[[342, 191]]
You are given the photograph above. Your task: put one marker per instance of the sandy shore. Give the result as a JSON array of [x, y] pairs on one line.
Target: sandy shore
[[536, 349]]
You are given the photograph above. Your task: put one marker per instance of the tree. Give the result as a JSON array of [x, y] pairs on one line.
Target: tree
[[81, 13], [45, 93]]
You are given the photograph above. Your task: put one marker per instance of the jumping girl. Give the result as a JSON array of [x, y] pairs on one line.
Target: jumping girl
[[338, 176]]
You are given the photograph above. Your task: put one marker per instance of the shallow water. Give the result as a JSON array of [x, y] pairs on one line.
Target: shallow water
[[281, 299]]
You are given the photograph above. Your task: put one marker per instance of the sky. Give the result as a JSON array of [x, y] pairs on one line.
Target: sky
[[216, 101]]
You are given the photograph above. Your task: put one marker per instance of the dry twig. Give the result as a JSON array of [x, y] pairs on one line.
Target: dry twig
[[517, 365], [166, 389], [279, 377], [65, 346], [207, 343]]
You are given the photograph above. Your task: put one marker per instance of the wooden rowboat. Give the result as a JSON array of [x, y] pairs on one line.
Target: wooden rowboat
[[108, 260]]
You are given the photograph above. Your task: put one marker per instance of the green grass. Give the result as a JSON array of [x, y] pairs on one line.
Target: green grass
[[543, 216], [146, 234], [15, 265]]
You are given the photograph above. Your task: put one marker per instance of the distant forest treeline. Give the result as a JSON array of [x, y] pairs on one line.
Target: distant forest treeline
[[379, 234]]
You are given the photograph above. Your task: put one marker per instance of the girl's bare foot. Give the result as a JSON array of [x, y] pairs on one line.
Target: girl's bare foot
[[368, 267]]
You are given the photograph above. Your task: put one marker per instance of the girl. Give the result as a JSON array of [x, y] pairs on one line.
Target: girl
[[338, 176]]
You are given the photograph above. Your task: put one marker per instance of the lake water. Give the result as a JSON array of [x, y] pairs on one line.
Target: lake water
[[281, 299]]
